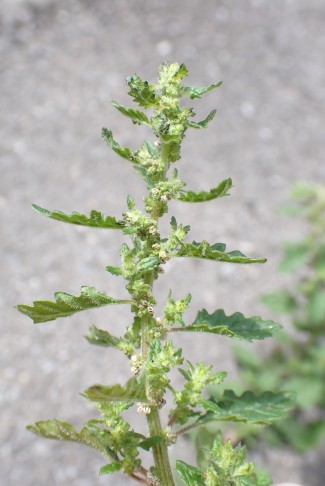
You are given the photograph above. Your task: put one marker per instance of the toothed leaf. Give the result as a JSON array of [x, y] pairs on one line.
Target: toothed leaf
[[142, 92], [190, 475], [204, 123], [220, 191], [59, 430], [67, 305], [150, 442], [256, 409], [114, 270], [214, 252], [123, 152], [95, 220], [193, 92], [136, 116], [132, 391], [102, 338], [235, 326]]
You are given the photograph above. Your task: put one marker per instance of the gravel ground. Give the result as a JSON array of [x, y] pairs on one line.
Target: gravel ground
[[62, 62]]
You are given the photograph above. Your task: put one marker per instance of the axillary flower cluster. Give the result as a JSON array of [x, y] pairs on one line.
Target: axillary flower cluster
[[144, 342]]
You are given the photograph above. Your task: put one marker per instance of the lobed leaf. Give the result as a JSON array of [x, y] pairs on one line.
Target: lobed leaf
[[95, 220], [132, 391], [137, 117], [142, 92], [204, 123], [215, 252], [256, 409], [66, 305], [193, 92], [124, 152], [59, 430], [235, 326], [220, 191]]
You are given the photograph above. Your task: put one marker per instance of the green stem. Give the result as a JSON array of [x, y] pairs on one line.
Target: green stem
[[160, 451]]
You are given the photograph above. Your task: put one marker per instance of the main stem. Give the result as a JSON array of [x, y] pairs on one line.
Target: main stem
[[160, 451]]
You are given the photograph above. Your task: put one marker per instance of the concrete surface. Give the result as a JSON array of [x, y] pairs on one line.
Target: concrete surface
[[61, 64]]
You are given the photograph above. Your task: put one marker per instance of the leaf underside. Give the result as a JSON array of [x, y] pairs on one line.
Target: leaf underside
[[214, 252], [67, 305], [95, 220], [59, 430], [132, 391], [220, 191], [235, 326]]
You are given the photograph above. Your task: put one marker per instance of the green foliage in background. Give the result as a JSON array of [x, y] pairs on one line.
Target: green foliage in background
[[146, 341], [297, 362]]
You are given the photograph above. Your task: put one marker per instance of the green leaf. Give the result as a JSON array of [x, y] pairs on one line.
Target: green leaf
[[190, 475], [295, 256], [193, 92], [114, 270], [281, 302], [256, 409], [204, 123], [316, 306], [148, 264], [100, 337], [142, 92], [137, 117], [95, 220], [150, 442], [110, 468], [123, 152], [220, 191], [56, 429], [235, 326], [132, 391], [66, 305], [214, 252]]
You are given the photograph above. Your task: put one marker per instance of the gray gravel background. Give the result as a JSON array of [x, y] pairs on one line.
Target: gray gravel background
[[62, 62]]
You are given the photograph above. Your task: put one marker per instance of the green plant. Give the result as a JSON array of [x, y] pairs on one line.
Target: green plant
[[297, 362], [144, 342]]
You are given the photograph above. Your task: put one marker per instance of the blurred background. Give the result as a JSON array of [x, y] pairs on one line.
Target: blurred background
[[61, 65]]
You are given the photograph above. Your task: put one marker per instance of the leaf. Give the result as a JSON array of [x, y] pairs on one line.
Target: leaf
[[150, 442], [100, 337], [124, 152], [110, 468], [220, 191], [204, 123], [114, 270], [137, 117], [295, 255], [256, 409], [190, 475], [235, 326], [95, 220], [66, 305], [132, 391], [193, 92], [214, 252], [281, 302], [142, 92], [56, 429]]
